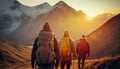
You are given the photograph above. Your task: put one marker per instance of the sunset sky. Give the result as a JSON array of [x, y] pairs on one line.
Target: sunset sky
[[90, 7]]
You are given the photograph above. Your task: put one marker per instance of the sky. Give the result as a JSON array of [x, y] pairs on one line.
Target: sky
[[90, 7]]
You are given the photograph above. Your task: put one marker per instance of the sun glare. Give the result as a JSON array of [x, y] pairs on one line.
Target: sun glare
[[90, 16]]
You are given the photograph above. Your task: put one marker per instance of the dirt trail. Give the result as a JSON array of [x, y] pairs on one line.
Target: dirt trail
[[93, 63], [73, 66]]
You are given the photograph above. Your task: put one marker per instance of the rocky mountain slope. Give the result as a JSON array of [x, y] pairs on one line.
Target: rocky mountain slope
[[105, 40]]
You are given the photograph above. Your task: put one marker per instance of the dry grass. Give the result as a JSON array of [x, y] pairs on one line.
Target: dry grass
[[12, 55]]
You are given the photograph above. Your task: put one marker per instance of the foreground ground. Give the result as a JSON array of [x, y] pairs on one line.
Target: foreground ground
[[101, 63]]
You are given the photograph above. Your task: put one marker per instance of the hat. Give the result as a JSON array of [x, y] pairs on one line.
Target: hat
[[66, 34], [46, 27], [83, 36]]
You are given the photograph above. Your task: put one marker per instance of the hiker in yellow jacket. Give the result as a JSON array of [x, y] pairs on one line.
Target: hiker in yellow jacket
[[66, 50]]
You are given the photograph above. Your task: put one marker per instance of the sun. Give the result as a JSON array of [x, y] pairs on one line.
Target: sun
[[90, 16]]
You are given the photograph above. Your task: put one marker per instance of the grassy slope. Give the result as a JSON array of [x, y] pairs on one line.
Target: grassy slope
[[12, 55]]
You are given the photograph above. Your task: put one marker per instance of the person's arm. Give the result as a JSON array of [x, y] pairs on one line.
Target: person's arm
[[57, 52], [34, 52], [88, 49], [72, 48], [77, 48]]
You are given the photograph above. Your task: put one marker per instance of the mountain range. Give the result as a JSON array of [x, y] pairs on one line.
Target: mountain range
[[21, 24]]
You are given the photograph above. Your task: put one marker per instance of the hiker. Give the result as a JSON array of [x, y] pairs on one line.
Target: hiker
[[66, 50], [45, 52], [83, 51]]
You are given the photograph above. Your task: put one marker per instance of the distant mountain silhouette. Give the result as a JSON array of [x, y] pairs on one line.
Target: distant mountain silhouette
[[12, 55], [101, 19], [105, 41], [21, 24]]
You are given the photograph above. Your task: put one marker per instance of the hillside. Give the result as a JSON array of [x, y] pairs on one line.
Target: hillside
[[13, 55], [105, 40]]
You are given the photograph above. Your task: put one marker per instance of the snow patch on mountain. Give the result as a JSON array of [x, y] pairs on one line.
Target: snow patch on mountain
[[6, 6], [14, 20], [13, 13], [60, 4], [36, 10]]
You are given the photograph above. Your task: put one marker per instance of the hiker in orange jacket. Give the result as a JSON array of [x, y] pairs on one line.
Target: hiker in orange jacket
[[83, 50], [66, 49]]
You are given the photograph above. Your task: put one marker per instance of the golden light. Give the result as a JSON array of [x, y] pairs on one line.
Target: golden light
[[90, 16], [93, 37]]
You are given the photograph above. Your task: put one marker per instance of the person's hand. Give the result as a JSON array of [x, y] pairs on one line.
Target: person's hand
[[75, 55], [32, 67], [87, 55], [56, 67]]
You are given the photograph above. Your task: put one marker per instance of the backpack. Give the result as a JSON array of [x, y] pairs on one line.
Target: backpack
[[82, 46], [65, 47], [45, 50]]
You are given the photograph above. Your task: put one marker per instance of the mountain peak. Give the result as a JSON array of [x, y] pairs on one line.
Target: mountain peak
[[61, 3], [82, 13], [45, 4]]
